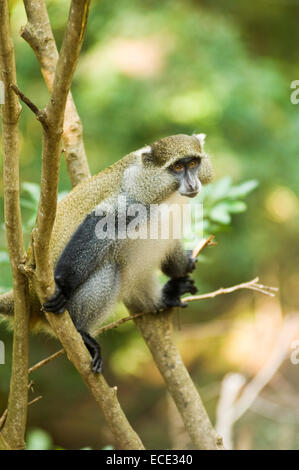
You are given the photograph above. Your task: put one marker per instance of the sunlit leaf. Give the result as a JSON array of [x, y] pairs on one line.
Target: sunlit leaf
[[220, 213], [32, 189], [235, 206], [242, 189]]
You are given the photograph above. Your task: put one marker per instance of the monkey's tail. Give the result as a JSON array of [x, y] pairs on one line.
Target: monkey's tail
[[6, 304], [37, 321]]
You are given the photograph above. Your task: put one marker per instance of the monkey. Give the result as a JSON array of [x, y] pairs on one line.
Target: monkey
[[93, 271]]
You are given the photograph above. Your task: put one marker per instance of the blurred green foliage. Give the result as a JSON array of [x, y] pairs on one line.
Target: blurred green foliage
[[38, 439], [150, 69]]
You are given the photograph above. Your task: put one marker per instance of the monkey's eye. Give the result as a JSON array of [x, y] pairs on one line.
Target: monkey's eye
[[178, 167], [193, 164]]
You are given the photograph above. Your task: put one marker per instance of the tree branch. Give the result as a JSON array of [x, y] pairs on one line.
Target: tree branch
[[251, 285], [38, 34], [237, 396], [55, 109], [14, 429], [105, 396], [157, 332], [117, 323], [43, 280], [4, 415]]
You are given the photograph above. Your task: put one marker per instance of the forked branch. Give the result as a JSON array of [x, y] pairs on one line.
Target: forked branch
[[43, 280], [38, 34]]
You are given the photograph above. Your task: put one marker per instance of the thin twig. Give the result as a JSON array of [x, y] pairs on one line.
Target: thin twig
[[116, 323], [202, 244], [39, 113], [4, 415], [101, 330], [45, 361], [267, 290], [35, 400]]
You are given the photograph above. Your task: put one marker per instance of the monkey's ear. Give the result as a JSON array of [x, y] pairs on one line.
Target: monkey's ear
[[146, 154], [201, 139]]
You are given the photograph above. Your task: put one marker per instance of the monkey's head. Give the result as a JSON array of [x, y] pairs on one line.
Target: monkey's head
[[177, 162]]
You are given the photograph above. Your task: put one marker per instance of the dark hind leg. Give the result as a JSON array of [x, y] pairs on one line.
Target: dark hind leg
[[94, 349], [91, 304]]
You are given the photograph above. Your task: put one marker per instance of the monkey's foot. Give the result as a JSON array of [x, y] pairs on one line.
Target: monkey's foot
[[174, 288], [56, 303], [95, 351]]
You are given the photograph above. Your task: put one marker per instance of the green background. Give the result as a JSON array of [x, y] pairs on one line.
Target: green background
[[155, 68]]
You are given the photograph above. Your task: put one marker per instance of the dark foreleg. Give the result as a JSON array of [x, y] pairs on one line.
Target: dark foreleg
[[178, 262], [174, 288]]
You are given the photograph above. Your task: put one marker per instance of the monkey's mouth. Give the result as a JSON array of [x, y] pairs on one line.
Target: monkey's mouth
[[190, 194]]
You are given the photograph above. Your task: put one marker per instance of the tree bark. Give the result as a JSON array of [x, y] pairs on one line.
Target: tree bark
[[14, 429]]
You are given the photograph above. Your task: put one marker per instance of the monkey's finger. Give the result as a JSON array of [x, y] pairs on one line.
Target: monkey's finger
[[55, 305], [97, 364], [193, 290]]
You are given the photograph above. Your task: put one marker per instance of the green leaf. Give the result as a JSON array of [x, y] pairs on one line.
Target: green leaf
[[235, 207], [241, 190], [220, 189], [33, 190], [220, 213]]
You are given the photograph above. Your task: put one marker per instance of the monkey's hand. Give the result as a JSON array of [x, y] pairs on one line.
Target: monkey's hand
[[57, 302], [191, 265], [174, 288]]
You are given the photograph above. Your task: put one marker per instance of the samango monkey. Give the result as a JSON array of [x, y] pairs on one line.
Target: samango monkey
[[93, 272]]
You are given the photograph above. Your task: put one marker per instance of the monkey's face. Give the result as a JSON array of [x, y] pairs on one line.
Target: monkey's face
[[186, 173], [194, 164], [174, 163]]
